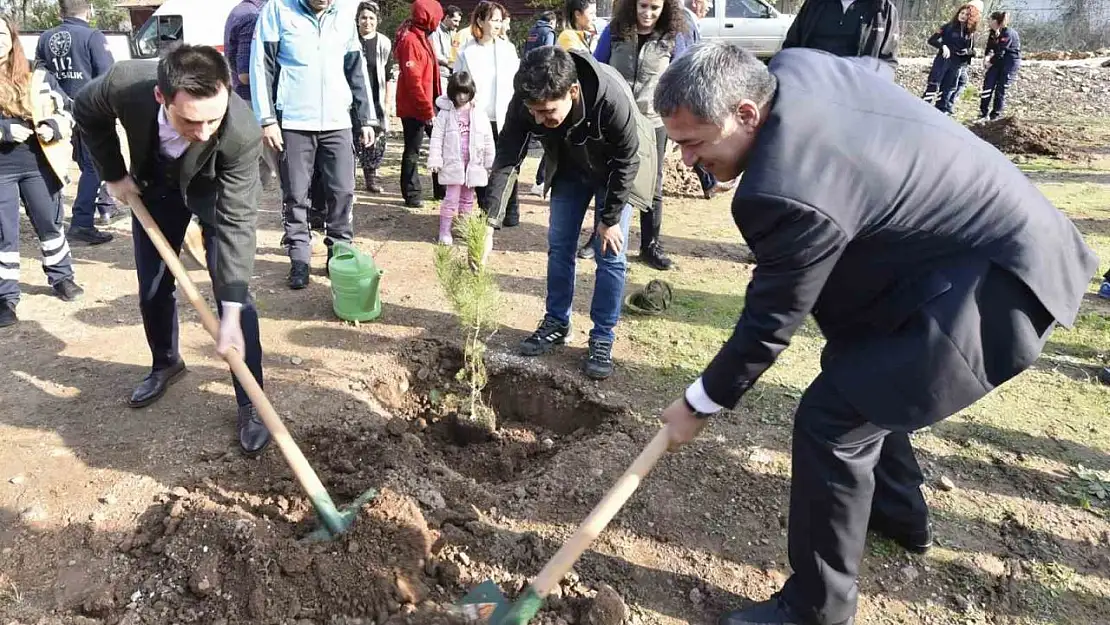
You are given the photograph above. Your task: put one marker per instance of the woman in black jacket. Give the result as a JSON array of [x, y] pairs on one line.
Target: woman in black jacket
[[955, 44]]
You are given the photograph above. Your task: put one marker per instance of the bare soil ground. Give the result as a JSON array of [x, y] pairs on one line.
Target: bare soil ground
[[112, 515]]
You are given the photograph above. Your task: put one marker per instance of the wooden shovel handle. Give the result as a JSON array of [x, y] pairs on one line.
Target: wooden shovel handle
[[601, 515], [308, 479]]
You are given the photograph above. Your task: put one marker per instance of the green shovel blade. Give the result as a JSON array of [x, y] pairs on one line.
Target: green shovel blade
[[486, 604]]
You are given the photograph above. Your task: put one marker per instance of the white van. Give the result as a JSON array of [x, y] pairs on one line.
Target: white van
[[196, 22], [754, 25]]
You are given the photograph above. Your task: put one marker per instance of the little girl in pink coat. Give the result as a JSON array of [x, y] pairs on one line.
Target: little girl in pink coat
[[462, 150]]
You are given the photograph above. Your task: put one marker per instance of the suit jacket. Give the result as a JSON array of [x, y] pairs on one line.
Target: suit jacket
[[856, 212], [219, 178]]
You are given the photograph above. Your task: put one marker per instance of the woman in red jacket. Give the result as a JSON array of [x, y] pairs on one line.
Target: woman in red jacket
[[417, 89]]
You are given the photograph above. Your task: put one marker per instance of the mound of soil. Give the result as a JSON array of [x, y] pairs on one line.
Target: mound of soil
[[678, 179], [230, 548], [201, 558], [1014, 136]]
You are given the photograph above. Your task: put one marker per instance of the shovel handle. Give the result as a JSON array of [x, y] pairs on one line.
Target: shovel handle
[[601, 515], [308, 479]]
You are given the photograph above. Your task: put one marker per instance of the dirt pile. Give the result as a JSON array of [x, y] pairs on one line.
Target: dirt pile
[[678, 179], [229, 549], [204, 558], [1015, 136]]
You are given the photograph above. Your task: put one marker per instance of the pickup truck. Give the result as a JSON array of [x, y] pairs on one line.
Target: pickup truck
[[754, 25]]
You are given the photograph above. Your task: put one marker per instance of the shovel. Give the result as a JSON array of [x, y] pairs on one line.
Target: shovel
[[333, 521], [486, 603]]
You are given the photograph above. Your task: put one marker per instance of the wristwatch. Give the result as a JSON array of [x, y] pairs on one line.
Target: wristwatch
[[690, 407]]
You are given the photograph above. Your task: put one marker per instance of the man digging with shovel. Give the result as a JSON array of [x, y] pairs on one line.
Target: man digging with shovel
[[930, 283], [195, 147]]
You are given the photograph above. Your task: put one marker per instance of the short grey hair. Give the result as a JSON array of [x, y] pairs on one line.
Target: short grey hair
[[711, 79]]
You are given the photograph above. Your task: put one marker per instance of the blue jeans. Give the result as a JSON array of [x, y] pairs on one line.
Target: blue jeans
[[91, 194], [569, 201]]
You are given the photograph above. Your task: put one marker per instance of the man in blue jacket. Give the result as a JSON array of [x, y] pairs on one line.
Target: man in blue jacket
[[76, 53], [307, 71]]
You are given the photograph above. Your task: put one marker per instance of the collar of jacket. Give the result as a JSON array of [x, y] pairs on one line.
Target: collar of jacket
[[75, 20], [332, 8]]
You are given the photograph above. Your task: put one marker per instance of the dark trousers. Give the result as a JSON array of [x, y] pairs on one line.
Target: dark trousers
[[992, 98], [540, 169], [651, 220], [936, 76], [92, 195], [43, 202], [951, 86], [511, 211], [844, 469], [157, 286], [332, 154], [412, 190]]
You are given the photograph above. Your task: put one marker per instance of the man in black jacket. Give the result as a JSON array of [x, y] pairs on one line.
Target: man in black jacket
[[930, 283], [864, 28], [596, 144], [194, 148], [77, 53]]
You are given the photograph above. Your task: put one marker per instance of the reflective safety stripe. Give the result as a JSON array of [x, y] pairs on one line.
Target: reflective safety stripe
[[9, 273], [10, 258], [56, 257], [50, 245]]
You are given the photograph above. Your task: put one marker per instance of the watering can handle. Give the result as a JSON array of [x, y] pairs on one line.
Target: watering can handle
[[601, 515]]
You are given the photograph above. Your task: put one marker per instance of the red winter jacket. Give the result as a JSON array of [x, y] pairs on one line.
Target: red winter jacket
[[418, 82]]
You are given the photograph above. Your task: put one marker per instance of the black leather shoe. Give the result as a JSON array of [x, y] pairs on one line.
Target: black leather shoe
[[154, 385], [68, 291], [253, 435], [89, 235], [7, 314], [774, 611], [298, 275], [912, 540]]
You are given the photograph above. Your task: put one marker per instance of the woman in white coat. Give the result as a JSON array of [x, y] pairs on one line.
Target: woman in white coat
[[492, 62]]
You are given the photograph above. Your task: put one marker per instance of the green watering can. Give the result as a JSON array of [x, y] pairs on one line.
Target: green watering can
[[355, 279]]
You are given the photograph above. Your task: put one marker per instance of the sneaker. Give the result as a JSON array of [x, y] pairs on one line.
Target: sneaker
[[89, 235], [1104, 290], [654, 257], [599, 362], [537, 189], [586, 252], [68, 291], [7, 314], [545, 338], [446, 239], [414, 203], [298, 275]]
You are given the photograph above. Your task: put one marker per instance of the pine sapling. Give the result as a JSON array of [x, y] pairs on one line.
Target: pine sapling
[[474, 297]]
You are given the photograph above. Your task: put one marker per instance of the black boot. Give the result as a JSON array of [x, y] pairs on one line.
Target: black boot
[[7, 314], [373, 184]]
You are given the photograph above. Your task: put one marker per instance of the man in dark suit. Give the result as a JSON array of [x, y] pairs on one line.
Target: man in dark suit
[[194, 148], [929, 279]]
